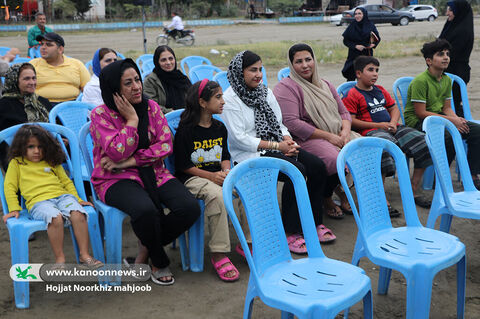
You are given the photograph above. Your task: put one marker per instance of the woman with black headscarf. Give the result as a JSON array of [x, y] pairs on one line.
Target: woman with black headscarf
[[19, 103], [361, 37], [166, 85], [458, 30], [131, 139]]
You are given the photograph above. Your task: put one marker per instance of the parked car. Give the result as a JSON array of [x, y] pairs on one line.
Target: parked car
[[336, 19], [422, 12], [380, 13]]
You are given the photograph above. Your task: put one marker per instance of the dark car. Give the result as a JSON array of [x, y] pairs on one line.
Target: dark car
[[380, 13]]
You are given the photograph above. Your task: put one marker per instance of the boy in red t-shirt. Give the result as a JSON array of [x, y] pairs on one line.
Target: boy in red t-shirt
[[374, 114]]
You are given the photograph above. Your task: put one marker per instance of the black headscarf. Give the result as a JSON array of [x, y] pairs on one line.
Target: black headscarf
[[110, 78], [459, 31], [175, 83], [359, 32]]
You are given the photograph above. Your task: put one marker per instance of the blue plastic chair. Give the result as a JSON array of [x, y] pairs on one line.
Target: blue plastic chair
[[313, 287], [465, 102], [121, 56], [143, 58], [446, 202], [191, 61], [221, 78], [112, 217], [200, 72], [343, 88], [264, 76], [400, 90], [413, 250], [34, 52], [4, 50], [79, 97], [147, 68], [283, 73], [20, 229], [74, 115], [20, 60], [89, 67], [196, 232]]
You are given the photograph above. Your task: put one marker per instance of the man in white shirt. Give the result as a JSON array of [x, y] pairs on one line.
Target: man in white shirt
[[177, 25]]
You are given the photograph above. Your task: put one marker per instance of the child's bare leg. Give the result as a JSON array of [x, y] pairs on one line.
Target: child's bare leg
[[55, 236], [416, 178], [80, 229]]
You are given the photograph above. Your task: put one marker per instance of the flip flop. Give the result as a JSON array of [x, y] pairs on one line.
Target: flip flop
[[322, 231], [295, 244], [347, 211], [221, 271], [393, 211], [239, 250], [164, 272], [421, 201], [335, 212], [91, 263]]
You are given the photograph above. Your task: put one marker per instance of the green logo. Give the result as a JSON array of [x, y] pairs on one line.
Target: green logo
[[23, 274]]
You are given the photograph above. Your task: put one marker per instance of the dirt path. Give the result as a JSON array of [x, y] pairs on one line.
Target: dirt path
[[202, 295]]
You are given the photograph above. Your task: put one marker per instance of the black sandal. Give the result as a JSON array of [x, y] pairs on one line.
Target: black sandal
[[422, 201], [393, 211]]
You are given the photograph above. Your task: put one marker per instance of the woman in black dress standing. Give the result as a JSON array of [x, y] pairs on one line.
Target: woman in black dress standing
[[361, 37], [458, 30]]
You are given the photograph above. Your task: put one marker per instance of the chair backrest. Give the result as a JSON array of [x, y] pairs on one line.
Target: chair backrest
[[121, 56], [343, 88], [283, 73], [72, 154], [147, 68], [89, 66], [4, 50], [200, 72], [72, 114], [79, 97], [20, 60], [221, 78], [143, 58], [86, 147], [264, 76], [255, 181], [400, 87], [463, 91], [191, 61], [363, 158], [34, 52], [434, 127]]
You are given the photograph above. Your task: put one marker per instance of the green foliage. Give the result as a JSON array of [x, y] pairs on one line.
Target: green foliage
[[65, 8], [82, 6], [284, 7], [132, 11], [200, 9], [225, 12]]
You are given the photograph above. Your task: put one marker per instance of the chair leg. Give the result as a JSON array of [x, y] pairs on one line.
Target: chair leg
[[419, 294], [384, 280], [195, 242], [182, 243], [445, 223], [74, 243], [19, 253], [367, 306], [95, 235], [113, 242], [249, 298], [428, 178], [461, 270], [358, 252]]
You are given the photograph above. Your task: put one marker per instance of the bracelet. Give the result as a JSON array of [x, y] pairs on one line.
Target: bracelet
[[276, 145]]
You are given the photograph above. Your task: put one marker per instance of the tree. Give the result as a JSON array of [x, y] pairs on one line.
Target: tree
[[82, 6]]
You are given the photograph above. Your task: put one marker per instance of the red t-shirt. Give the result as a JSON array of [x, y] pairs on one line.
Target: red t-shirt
[[369, 106]]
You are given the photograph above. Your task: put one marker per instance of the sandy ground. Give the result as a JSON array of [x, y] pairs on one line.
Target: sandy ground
[[202, 295]]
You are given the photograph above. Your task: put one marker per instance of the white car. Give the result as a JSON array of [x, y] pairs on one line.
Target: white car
[[336, 19], [422, 12]]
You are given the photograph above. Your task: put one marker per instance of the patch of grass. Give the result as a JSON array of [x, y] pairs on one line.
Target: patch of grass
[[274, 54]]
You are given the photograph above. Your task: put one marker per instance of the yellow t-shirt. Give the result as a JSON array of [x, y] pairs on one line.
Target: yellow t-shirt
[[62, 82], [36, 181]]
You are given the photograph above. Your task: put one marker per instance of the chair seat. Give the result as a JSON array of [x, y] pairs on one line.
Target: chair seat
[[466, 204], [312, 280], [26, 221], [407, 247]]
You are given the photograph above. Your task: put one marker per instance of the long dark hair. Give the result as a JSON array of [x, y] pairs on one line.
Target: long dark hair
[[52, 151], [191, 116]]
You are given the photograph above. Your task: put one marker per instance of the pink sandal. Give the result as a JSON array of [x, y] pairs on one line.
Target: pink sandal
[[240, 251], [322, 231], [221, 271], [296, 244]]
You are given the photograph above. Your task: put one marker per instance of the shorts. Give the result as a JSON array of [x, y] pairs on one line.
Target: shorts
[[50, 208]]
